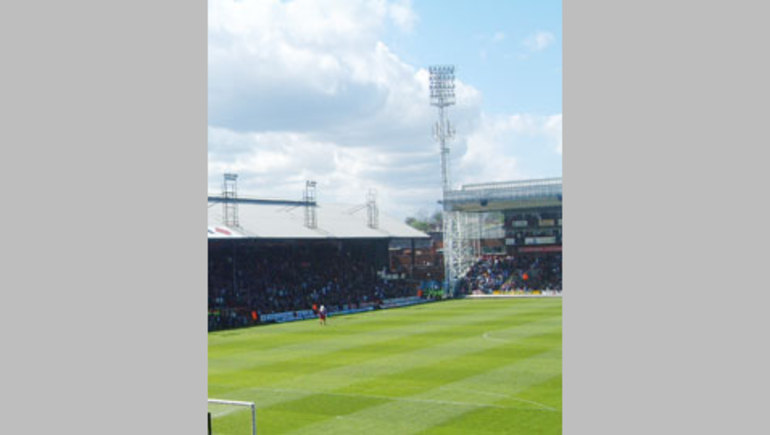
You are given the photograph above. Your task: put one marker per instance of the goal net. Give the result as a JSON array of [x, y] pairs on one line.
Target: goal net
[[231, 417]]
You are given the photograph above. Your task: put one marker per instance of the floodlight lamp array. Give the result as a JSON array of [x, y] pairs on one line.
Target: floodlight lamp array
[[442, 85]]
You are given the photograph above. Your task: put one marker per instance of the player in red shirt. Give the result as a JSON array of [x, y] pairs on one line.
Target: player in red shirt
[[322, 314]]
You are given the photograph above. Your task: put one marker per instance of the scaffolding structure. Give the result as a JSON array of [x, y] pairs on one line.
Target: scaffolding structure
[[463, 209], [308, 197], [462, 244], [458, 230], [372, 212], [468, 205], [230, 200]]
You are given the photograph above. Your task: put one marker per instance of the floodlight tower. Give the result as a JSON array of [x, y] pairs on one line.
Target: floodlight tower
[[442, 95], [372, 213], [311, 220], [230, 200]]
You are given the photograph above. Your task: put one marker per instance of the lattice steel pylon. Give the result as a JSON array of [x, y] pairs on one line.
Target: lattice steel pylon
[[311, 220], [372, 212], [230, 200], [457, 245]]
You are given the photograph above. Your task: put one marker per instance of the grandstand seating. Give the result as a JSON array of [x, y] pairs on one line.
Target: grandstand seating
[[249, 280], [509, 273]]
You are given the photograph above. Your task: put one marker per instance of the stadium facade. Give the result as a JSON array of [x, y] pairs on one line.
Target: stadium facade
[[531, 211], [272, 260], [530, 221], [502, 218], [269, 258]]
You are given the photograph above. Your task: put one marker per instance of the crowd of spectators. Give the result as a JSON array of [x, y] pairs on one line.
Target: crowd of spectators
[[510, 273], [249, 280]]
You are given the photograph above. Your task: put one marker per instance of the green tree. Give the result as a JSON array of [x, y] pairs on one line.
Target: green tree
[[417, 224], [426, 223]]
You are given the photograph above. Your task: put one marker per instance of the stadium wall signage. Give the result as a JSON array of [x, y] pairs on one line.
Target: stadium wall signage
[[287, 316], [539, 240], [290, 316], [402, 302], [531, 249]]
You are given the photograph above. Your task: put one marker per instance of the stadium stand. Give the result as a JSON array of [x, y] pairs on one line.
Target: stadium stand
[[518, 245], [272, 267], [282, 258], [524, 273], [420, 259], [249, 279]]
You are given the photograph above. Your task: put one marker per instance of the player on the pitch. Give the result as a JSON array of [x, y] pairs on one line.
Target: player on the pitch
[[322, 314]]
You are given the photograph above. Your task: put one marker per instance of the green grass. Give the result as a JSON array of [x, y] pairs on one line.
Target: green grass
[[454, 367]]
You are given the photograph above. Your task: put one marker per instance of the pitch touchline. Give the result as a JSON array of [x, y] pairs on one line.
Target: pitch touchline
[[415, 400], [487, 337], [489, 393]]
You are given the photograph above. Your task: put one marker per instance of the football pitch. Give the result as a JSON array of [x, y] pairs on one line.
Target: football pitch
[[453, 367]]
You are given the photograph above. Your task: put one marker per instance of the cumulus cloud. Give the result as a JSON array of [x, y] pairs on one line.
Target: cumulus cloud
[[552, 128], [308, 65], [276, 164], [509, 147], [539, 41], [402, 14], [306, 89]]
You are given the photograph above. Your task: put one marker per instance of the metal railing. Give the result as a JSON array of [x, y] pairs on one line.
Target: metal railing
[[508, 190]]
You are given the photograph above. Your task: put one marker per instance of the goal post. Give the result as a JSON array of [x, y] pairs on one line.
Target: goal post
[[240, 404]]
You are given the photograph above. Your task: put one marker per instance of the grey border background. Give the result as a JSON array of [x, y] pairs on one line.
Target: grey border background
[[666, 224], [104, 254], [104, 171]]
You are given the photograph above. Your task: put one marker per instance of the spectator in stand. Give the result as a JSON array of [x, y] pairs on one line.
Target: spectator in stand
[[283, 278], [523, 272]]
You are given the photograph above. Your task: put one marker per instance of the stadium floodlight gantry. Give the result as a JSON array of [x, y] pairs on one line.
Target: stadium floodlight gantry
[[506, 195], [462, 243]]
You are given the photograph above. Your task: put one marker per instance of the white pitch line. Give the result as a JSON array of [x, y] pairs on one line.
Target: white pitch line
[[487, 337], [411, 399], [488, 393], [507, 396], [534, 403]]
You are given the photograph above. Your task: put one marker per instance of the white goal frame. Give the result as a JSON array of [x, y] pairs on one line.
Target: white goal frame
[[237, 403]]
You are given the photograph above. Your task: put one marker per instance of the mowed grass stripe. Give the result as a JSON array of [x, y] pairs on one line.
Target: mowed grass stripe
[[371, 359], [349, 378], [306, 338], [285, 335], [463, 339], [447, 383], [489, 421], [292, 333], [400, 415], [537, 380], [465, 348], [314, 355]]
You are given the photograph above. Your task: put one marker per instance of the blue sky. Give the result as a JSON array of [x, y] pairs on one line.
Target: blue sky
[[486, 42], [336, 91]]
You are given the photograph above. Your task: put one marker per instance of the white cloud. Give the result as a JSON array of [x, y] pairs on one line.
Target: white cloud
[[402, 14], [504, 147], [498, 37], [552, 128], [276, 164], [306, 89], [306, 64], [539, 41]]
